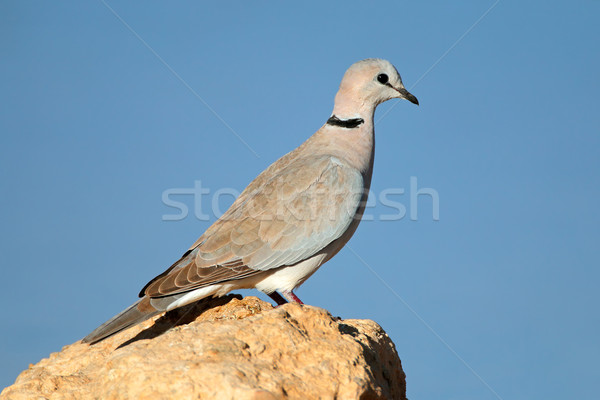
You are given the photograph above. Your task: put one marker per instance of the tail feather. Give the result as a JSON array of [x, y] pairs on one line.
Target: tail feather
[[145, 308], [135, 314]]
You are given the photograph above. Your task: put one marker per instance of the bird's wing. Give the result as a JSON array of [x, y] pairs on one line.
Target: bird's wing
[[287, 218]]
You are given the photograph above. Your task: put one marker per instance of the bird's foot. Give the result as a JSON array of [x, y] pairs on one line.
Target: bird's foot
[[290, 296]]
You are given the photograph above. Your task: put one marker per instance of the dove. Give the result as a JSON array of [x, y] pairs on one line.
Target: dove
[[291, 219]]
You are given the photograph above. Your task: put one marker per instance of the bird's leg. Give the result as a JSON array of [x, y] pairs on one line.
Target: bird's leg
[[290, 296], [277, 298]]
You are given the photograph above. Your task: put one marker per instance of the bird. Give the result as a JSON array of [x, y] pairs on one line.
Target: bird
[[291, 219]]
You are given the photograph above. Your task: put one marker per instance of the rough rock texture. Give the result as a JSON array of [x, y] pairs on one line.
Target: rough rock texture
[[225, 349]]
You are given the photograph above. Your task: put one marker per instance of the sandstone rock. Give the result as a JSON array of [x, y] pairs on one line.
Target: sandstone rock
[[228, 348]]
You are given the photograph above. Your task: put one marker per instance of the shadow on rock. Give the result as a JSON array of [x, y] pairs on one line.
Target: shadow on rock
[[180, 316]]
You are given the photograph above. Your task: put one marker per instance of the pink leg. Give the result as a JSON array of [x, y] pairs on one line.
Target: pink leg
[[291, 297]]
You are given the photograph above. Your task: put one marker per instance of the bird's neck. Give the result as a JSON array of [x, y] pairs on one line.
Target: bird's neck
[[352, 106], [350, 138]]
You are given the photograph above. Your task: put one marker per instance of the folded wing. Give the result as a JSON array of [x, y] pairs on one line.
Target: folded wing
[[278, 220]]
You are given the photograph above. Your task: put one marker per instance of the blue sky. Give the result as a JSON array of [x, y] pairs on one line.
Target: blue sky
[[94, 128]]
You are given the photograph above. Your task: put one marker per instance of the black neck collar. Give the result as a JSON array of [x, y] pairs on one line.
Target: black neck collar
[[345, 123]]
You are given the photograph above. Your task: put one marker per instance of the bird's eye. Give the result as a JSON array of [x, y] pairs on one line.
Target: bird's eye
[[382, 78]]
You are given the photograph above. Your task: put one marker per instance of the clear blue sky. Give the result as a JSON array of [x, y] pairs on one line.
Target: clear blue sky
[[94, 128]]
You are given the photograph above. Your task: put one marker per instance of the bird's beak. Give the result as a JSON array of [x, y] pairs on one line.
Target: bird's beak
[[405, 94]]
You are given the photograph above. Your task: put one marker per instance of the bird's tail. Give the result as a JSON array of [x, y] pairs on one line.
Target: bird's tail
[[135, 314]]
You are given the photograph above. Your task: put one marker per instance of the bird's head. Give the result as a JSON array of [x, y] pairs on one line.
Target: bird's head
[[371, 82]]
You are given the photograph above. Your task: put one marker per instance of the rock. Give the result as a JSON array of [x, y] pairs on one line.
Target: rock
[[227, 348]]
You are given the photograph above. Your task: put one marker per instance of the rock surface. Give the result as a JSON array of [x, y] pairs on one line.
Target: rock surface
[[225, 349]]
